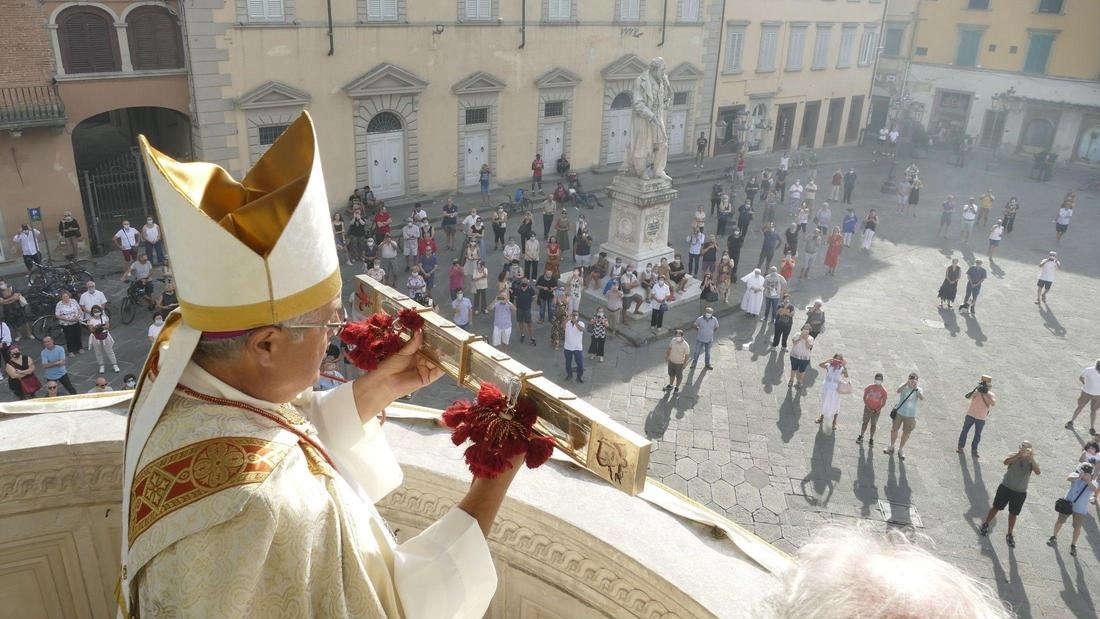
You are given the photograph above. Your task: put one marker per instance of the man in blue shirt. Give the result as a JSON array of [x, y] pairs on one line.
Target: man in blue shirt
[[53, 361]]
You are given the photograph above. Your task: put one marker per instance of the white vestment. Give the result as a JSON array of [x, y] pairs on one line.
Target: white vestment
[[233, 517], [753, 299]]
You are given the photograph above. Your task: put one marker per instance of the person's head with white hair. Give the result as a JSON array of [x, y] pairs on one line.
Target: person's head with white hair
[[851, 572]]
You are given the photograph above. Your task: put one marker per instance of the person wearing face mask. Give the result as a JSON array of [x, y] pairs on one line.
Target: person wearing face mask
[[129, 381], [524, 294], [357, 234], [20, 370], [376, 271], [676, 357], [101, 341], [410, 235], [658, 301], [69, 230], [126, 239], [874, 398], [154, 240], [706, 330], [156, 327], [598, 331], [463, 309], [387, 251]]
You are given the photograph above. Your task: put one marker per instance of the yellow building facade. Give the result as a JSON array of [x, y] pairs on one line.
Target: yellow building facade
[[1021, 75], [795, 74]]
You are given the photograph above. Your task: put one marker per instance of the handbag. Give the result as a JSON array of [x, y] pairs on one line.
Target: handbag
[[100, 333], [844, 387], [663, 306], [30, 384], [894, 411], [1065, 506]]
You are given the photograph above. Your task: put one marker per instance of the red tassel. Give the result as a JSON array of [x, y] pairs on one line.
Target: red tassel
[[497, 432], [378, 336]]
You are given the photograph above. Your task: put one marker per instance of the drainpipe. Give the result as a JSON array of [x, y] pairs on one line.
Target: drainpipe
[[714, 88], [522, 23], [331, 41], [664, 21]]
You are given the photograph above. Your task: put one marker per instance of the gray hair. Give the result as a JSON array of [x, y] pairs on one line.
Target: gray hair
[[851, 572], [228, 348]]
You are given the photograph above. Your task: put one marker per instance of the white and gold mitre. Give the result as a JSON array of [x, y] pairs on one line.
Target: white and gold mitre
[[252, 253]]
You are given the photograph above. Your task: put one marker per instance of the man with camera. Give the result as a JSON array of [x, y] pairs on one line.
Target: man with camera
[[1013, 489], [982, 400]]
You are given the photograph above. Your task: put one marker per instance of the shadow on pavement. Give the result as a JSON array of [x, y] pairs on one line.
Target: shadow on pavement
[[656, 422], [1009, 586], [773, 370], [950, 321], [974, 330], [759, 345], [790, 412], [996, 269], [975, 491], [898, 492], [823, 476], [1051, 322], [1075, 590], [864, 485]]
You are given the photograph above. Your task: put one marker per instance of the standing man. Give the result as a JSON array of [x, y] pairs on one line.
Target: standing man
[[775, 285], [1012, 491], [463, 309], [388, 251], [849, 185], [524, 294], [1061, 223], [92, 297], [676, 356], [53, 362], [536, 173], [154, 240], [770, 243], [659, 293], [1047, 267], [975, 275], [701, 149], [970, 216], [502, 310], [874, 398], [946, 214], [706, 327], [410, 236], [126, 239], [69, 230], [574, 346], [1090, 394], [695, 248], [904, 414], [531, 254], [545, 285], [982, 400], [28, 241]]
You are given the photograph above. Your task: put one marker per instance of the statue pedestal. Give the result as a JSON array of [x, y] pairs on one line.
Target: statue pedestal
[[638, 232]]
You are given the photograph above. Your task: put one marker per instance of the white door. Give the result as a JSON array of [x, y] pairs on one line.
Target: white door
[[676, 121], [618, 135], [477, 153], [553, 138], [386, 154]]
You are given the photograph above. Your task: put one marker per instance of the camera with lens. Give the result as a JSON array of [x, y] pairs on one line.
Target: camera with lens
[[982, 388]]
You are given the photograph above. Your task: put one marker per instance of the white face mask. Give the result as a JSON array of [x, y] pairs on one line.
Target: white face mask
[[458, 295], [708, 314], [158, 321], [878, 381], [679, 338]]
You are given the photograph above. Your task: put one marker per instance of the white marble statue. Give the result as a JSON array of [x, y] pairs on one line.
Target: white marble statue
[[649, 133]]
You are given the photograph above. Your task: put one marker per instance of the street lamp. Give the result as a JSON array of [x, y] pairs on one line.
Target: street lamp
[[1000, 104]]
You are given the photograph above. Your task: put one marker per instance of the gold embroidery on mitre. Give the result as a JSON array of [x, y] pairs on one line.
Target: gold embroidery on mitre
[[194, 472]]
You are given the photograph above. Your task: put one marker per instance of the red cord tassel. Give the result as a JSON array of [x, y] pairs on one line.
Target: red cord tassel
[[497, 432], [378, 336]]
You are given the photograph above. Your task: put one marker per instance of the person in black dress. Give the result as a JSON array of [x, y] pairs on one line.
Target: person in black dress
[[949, 289]]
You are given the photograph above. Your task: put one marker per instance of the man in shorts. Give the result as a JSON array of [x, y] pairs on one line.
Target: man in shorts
[[1013, 489], [676, 356], [1090, 394], [502, 311], [1047, 267], [904, 414]]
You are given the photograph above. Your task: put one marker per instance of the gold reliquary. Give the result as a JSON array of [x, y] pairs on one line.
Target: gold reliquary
[[586, 434]]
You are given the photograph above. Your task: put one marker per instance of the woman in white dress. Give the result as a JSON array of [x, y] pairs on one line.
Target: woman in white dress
[[754, 293], [835, 371], [576, 289]]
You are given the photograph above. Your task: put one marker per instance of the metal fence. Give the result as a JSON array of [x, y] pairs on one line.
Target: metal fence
[[114, 191], [31, 106]]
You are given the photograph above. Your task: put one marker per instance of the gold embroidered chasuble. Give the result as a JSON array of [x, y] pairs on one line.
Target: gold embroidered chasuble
[[234, 516]]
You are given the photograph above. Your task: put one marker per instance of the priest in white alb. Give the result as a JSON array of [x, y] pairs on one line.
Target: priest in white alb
[[753, 299], [246, 493]]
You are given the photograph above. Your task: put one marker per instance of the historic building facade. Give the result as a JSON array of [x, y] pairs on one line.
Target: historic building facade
[[80, 80], [1021, 75]]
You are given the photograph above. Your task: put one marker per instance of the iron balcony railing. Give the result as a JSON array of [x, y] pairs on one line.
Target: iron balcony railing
[[23, 107]]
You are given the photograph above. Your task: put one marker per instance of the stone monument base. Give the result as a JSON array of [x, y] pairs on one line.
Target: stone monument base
[[638, 230]]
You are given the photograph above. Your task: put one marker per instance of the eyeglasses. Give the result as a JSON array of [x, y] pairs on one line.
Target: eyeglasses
[[335, 328], [51, 387], [912, 377]]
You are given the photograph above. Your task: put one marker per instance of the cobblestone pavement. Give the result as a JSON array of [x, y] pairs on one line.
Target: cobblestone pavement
[[738, 441]]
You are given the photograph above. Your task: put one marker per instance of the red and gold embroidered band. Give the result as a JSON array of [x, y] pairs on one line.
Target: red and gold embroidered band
[[196, 471]]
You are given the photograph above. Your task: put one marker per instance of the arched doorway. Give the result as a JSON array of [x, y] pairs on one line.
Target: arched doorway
[[1038, 135], [618, 127], [113, 183], [1088, 147], [386, 155]]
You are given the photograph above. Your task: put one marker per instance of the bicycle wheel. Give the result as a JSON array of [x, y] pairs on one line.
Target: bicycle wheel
[[129, 310], [83, 277], [47, 325]]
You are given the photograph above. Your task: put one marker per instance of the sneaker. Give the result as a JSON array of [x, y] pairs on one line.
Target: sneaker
[[974, 455], [1011, 541], [888, 450], [901, 455], [568, 377], [522, 339], [101, 370], [580, 380], [532, 341], [676, 390], [600, 359], [693, 366], [708, 367], [859, 440], [871, 442], [668, 387], [115, 368], [1052, 542], [1092, 431], [984, 529]]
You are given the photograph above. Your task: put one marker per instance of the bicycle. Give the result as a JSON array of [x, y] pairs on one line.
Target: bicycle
[[135, 294], [47, 324]]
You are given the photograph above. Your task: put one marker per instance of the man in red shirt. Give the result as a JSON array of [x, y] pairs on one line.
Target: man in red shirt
[[874, 398], [536, 173]]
